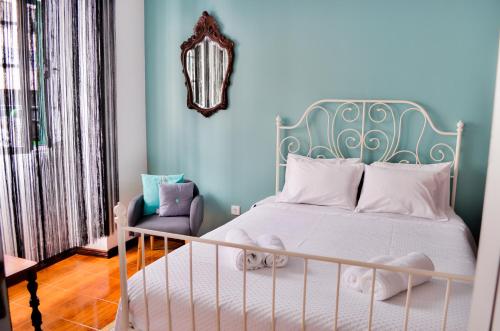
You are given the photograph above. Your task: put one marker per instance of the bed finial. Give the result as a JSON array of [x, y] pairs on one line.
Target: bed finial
[[460, 129], [278, 120], [120, 214], [279, 123]]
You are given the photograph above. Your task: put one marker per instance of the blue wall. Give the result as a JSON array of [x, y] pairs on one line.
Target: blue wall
[[289, 54]]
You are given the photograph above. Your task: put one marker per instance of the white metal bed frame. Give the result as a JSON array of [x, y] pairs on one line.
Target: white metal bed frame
[[364, 107], [361, 138]]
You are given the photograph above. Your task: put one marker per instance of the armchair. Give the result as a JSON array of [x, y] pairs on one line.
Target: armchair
[[187, 225]]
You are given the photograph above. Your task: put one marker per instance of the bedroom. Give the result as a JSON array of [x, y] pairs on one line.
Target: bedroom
[[286, 56]]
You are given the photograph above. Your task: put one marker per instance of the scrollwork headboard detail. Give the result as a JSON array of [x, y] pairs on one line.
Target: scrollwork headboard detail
[[373, 130]]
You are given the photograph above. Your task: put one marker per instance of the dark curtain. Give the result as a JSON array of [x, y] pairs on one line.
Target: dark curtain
[[57, 168]]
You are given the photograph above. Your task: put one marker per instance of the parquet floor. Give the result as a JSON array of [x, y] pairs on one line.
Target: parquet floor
[[78, 293]]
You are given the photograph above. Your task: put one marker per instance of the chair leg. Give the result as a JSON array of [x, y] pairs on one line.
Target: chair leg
[[151, 242], [139, 257]]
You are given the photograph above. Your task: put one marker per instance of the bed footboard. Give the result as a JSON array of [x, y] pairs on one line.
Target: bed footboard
[[123, 229]]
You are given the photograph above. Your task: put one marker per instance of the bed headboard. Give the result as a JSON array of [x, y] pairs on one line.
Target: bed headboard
[[373, 130]]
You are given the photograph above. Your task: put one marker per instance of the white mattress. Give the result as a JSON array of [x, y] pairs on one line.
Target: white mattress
[[321, 231]]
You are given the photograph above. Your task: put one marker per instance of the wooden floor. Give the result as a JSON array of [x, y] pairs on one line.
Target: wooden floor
[[78, 293]]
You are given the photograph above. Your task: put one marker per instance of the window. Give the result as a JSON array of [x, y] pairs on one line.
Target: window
[[22, 121]]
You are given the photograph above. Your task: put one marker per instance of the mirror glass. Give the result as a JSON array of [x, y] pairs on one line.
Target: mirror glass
[[207, 65]]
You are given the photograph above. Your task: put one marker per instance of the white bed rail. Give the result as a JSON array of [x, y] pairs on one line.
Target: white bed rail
[[123, 229]]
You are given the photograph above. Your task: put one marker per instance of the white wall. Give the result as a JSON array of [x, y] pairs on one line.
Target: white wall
[[130, 103], [130, 96], [130, 99], [489, 246]]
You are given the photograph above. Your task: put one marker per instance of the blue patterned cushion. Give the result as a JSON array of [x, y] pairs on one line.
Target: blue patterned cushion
[[175, 199]]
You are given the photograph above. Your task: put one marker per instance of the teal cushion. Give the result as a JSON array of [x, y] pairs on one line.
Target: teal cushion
[[151, 190]]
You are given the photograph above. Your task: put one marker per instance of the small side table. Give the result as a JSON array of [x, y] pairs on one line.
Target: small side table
[[17, 268]]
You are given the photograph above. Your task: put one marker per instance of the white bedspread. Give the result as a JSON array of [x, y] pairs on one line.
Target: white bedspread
[[321, 231]]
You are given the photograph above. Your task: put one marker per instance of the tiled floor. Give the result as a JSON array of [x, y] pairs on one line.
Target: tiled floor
[[78, 293]]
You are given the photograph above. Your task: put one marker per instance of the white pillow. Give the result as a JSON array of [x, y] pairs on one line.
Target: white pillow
[[322, 182], [442, 170], [402, 191]]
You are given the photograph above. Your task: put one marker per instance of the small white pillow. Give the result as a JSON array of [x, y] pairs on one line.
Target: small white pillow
[[400, 191], [323, 182], [442, 171]]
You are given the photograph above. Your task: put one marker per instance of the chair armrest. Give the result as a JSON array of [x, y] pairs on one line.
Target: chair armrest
[[135, 210], [196, 214]]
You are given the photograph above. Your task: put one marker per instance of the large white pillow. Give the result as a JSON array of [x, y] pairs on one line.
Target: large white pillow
[[325, 182], [442, 171], [402, 191]]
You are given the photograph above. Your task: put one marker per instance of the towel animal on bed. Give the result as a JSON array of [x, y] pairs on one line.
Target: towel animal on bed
[[272, 242], [388, 283], [254, 259]]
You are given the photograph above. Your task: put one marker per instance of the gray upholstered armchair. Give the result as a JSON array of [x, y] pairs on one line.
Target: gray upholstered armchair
[[187, 225]]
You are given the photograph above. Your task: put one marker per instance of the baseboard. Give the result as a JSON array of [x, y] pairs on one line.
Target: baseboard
[[91, 252], [113, 251], [105, 254]]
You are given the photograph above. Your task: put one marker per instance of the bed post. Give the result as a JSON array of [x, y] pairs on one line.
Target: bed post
[[362, 137], [460, 129], [278, 128], [121, 221]]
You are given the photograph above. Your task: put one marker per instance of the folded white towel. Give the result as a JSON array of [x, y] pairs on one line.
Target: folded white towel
[[352, 275], [389, 283], [236, 256], [273, 242]]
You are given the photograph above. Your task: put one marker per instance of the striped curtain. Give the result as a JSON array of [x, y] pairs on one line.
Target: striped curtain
[[57, 132]]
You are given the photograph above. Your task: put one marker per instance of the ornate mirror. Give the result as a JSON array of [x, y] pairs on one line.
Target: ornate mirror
[[207, 61]]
